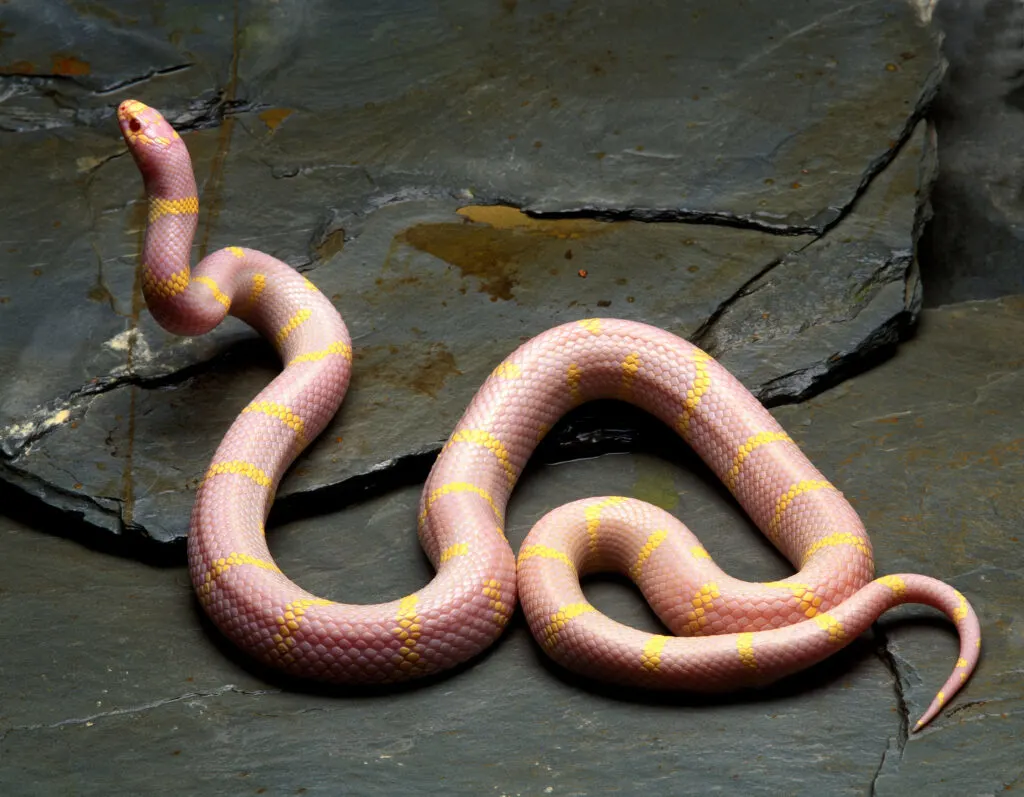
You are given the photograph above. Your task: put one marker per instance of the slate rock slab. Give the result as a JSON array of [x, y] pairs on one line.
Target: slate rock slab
[[771, 114], [439, 170], [927, 447], [974, 248], [435, 296]]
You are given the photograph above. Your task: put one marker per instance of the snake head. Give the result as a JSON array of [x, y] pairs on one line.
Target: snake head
[[143, 127]]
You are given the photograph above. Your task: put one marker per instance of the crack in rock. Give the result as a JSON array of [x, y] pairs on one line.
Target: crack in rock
[[892, 757], [90, 719], [829, 217], [677, 215], [135, 81], [195, 114]]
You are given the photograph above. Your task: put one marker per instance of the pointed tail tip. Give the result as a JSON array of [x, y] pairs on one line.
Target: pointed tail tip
[[955, 606], [928, 716]]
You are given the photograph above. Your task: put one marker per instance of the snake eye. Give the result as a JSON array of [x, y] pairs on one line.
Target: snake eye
[[135, 125]]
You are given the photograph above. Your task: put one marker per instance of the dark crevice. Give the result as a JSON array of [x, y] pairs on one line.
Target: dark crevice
[[835, 215], [41, 79], [676, 215], [699, 337], [879, 347], [966, 706], [205, 114], [134, 81], [902, 707], [386, 477], [876, 167], [196, 114]]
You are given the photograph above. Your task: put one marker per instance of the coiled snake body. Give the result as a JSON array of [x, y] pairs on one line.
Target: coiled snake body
[[728, 633]]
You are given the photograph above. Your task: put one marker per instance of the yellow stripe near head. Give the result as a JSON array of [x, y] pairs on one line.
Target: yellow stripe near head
[[172, 207]]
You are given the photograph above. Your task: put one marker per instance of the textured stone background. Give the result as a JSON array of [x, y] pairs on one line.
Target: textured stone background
[[785, 184]]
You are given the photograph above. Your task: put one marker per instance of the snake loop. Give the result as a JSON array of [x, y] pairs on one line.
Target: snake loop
[[728, 633]]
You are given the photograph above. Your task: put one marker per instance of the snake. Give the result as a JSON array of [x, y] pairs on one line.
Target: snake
[[725, 634]]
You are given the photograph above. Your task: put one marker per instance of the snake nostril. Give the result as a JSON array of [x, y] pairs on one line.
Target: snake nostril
[[135, 125]]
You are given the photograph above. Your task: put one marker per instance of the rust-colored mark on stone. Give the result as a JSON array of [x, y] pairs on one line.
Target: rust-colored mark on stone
[[331, 245], [18, 68], [272, 117], [503, 217], [494, 241], [69, 65], [100, 293]]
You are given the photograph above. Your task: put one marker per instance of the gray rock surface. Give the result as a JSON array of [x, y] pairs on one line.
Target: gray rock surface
[[975, 245], [367, 150], [756, 177], [104, 649]]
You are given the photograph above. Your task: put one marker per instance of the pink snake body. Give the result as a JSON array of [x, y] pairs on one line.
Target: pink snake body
[[727, 633]]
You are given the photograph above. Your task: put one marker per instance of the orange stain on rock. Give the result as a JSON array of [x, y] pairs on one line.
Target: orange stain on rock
[[272, 117], [493, 242], [68, 65]]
